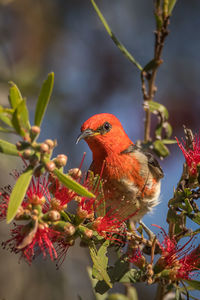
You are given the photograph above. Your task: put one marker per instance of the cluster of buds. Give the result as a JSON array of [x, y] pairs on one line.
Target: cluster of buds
[[38, 154], [50, 228]]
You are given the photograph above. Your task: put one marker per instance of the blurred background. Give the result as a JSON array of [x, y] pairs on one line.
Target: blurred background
[[92, 76]]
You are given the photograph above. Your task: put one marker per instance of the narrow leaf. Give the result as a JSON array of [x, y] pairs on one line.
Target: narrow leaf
[[15, 96], [194, 284], [156, 108], [132, 276], [20, 119], [18, 193], [171, 6], [72, 184], [8, 148], [43, 99], [102, 261], [160, 148], [94, 282], [169, 141], [99, 264], [5, 118], [114, 38]]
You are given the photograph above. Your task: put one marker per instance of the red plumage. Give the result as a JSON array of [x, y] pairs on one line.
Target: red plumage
[[131, 177]]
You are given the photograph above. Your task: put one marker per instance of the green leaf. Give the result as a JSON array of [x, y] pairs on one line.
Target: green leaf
[[168, 129], [156, 108], [43, 99], [72, 184], [20, 119], [94, 282], [15, 96], [194, 284], [8, 148], [171, 6], [119, 270], [114, 38], [160, 148], [169, 141], [132, 276], [18, 193], [5, 117], [188, 206], [100, 262]]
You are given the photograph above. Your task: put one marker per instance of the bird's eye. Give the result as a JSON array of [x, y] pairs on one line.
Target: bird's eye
[[107, 126]]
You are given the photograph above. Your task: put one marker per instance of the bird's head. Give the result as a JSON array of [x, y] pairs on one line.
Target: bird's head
[[104, 134]]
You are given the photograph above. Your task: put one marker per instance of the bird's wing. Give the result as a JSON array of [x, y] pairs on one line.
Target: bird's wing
[[153, 164]]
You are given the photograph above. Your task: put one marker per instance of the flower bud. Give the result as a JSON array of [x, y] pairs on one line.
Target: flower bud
[[82, 213], [44, 147], [36, 200], [19, 146], [50, 143], [69, 229], [61, 160], [54, 215], [50, 166], [75, 173], [27, 153], [35, 130], [88, 233]]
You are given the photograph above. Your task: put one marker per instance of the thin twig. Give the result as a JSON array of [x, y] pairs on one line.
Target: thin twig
[[148, 78]]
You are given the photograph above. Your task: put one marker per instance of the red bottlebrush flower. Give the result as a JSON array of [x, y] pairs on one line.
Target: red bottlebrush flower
[[62, 196], [192, 155], [4, 199], [113, 222], [86, 208], [38, 192], [137, 258], [61, 247], [31, 242], [180, 260]]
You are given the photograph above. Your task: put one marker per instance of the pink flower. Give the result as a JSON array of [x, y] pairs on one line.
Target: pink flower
[[136, 258], [180, 260], [31, 242], [192, 154], [62, 196]]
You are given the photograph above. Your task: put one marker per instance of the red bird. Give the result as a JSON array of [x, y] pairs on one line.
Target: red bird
[[131, 177]]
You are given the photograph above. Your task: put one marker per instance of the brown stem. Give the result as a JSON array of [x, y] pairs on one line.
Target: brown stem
[[150, 77]]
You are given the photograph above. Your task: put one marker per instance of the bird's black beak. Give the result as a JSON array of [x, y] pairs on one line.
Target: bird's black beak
[[85, 134]]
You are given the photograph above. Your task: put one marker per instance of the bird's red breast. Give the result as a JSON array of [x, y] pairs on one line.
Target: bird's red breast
[[131, 177]]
